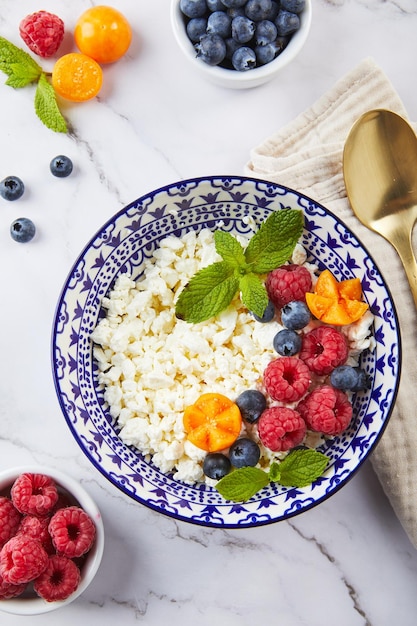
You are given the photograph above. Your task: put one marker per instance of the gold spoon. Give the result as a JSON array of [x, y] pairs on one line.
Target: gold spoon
[[380, 172]]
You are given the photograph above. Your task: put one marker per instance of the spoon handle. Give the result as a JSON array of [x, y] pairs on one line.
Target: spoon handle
[[402, 243]]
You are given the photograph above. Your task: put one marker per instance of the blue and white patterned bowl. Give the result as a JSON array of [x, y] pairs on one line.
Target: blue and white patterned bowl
[[121, 245]]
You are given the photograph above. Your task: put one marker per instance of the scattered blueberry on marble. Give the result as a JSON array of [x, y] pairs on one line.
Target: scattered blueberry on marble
[[22, 230], [261, 29], [61, 166], [11, 188]]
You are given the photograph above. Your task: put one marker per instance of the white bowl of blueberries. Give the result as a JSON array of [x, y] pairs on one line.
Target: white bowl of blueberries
[[241, 43]]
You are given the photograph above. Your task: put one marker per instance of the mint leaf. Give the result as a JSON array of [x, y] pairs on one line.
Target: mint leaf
[[275, 240], [300, 468], [229, 248], [46, 106], [209, 292], [274, 472], [242, 484], [254, 295], [20, 67]]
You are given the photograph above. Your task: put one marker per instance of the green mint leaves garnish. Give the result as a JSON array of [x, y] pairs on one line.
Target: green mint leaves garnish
[[212, 289], [46, 106], [298, 469], [23, 70]]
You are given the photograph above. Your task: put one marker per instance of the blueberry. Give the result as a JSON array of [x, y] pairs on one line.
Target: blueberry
[[234, 12], [258, 10], [22, 230], [211, 49], [364, 380], [193, 8], [234, 4], [244, 452], [196, 28], [294, 6], [265, 54], [268, 315], [244, 59], [251, 403], [287, 342], [61, 166], [11, 188], [216, 465], [295, 315], [344, 377], [231, 46], [219, 23], [265, 32], [215, 5], [273, 12], [243, 29], [287, 23]]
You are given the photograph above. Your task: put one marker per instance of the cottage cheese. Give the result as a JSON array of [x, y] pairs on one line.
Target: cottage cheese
[[153, 365]]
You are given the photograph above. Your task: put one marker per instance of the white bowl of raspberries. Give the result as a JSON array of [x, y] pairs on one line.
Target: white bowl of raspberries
[[241, 43], [51, 540]]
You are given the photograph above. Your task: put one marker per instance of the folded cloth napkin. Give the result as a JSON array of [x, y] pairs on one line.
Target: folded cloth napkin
[[306, 155]]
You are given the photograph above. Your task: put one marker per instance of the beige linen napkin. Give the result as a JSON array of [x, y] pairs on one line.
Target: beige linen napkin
[[306, 155]]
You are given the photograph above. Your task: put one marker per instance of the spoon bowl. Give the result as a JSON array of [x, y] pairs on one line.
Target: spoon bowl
[[380, 173]]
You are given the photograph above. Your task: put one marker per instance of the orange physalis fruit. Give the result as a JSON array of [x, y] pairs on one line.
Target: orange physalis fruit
[[103, 33], [76, 77], [213, 422], [336, 303]]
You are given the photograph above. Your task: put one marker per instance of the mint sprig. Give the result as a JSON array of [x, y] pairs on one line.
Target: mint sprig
[[298, 469], [212, 289], [22, 70]]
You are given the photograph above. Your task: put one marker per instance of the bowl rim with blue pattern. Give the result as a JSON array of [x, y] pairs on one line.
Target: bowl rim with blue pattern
[[121, 246]]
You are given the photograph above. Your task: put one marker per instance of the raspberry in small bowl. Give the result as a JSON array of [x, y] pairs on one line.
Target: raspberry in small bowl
[[51, 540]]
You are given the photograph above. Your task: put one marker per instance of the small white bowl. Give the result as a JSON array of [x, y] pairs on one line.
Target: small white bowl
[[233, 78], [32, 604]]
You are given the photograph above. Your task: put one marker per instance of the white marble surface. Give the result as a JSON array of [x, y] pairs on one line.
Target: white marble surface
[[346, 562]]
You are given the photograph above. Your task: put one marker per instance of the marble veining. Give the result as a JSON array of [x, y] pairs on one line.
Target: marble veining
[[347, 561]]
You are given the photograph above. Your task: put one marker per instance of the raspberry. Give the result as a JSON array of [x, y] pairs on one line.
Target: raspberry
[[281, 428], [326, 410], [287, 379], [34, 494], [8, 590], [37, 528], [22, 559], [72, 531], [42, 32], [59, 580], [323, 349], [9, 520], [288, 283]]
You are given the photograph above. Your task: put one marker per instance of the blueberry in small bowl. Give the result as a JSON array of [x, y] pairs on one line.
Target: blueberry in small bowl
[[240, 43]]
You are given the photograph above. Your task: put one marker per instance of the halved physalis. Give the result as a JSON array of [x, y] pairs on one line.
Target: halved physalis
[[213, 422], [336, 303]]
